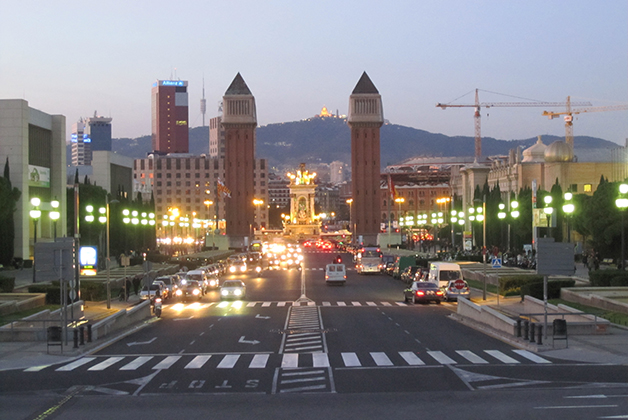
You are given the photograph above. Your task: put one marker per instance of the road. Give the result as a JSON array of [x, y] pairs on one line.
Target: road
[[315, 347]]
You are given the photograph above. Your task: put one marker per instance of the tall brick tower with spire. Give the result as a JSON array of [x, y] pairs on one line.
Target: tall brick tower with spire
[[366, 116], [239, 120]]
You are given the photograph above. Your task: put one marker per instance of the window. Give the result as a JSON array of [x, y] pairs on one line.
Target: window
[[573, 188], [588, 188]]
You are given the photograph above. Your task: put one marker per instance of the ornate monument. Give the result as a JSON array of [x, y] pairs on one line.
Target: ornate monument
[[302, 221]]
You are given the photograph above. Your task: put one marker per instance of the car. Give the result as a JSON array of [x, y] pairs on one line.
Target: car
[[199, 276], [409, 273], [170, 284], [456, 289], [189, 289], [213, 282], [444, 272], [237, 266], [335, 274], [155, 289], [233, 289], [423, 292]]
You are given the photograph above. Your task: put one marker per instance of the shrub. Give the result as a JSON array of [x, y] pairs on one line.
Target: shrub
[[511, 285], [7, 284], [53, 294], [607, 278], [535, 289]]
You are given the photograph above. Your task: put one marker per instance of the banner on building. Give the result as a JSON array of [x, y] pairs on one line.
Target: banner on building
[[38, 176]]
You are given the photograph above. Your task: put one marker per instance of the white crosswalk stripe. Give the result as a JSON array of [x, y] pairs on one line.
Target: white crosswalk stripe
[[139, 361], [228, 361], [75, 364], [411, 358], [259, 361], [381, 359], [167, 362], [198, 362], [470, 356], [441, 358], [320, 360], [106, 363], [350, 359], [531, 356], [501, 356]]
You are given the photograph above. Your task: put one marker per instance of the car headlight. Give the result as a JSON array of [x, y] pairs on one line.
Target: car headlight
[[243, 268], [212, 283], [290, 262], [232, 269], [196, 292], [179, 293], [237, 292], [224, 292]]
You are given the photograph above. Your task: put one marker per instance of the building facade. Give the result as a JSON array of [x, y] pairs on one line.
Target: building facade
[[216, 138], [169, 116]]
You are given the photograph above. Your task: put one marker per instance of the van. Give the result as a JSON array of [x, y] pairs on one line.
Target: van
[[335, 274], [443, 272]]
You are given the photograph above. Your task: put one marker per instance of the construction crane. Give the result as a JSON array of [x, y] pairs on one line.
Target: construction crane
[[568, 115], [477, 105]]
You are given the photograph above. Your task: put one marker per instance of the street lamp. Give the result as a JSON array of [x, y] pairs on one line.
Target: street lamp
[[622, 204], [548, 210], [54, 215], [35, 214], [399, 200], [501, 215], [514, 213], [568, 209]]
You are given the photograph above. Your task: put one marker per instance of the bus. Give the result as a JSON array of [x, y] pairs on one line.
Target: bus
[[368, 260]]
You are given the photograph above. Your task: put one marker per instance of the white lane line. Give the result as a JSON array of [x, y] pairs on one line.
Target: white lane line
[[381, 359], [259, 361], [531, 356], [440, 357], [228, 361], [501, 356], [167, 362], [470, 356], [411, 358], [75, 364], [320, 360], [106, 363], [350, 359], [198, 362], [290, 361], [296, 381], [304, 388], [136, 363], [302, 373]]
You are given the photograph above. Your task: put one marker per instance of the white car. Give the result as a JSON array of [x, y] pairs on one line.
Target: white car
[[335, 274], [233, 289]]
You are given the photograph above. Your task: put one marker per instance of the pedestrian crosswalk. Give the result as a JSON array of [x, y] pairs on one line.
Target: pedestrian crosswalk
[[267, 304], [344, 360]]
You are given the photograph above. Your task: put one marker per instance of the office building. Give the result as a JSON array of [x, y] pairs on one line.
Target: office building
[[170, 117]]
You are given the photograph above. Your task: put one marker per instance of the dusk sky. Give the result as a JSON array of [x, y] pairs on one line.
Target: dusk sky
[[75, 57]]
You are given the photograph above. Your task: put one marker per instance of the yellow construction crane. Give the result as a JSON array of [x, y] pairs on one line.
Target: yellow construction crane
[[568, 115], [477, 105]]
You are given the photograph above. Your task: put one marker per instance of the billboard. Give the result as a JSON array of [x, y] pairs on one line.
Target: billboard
[[88, 260]]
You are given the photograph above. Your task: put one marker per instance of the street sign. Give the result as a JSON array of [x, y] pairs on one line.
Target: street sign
[[72, 294], [496, 262], [459, 284]]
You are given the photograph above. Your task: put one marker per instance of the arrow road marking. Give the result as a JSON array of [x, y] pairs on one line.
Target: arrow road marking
[[139, 343], [242, 340], [258, 316]]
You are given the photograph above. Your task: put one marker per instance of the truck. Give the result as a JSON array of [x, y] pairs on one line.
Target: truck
[[401, 263], [368, 260]]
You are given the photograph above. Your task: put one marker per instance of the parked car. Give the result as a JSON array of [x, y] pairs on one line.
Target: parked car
[[423, 292], [456, 289], [233, 289]]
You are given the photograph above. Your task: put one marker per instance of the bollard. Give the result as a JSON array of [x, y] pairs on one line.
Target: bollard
[[75, 338], [518, 328], [89, 333], [532, 326], [526, 326], [539, 339], [82, 335]]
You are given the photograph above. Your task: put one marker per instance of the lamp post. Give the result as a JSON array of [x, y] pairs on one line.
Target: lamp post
[[622, 204], [399, 200], [568, 209], [54, 215], [501, 215], [548, 210], [35, 214], [514, 213], [350, 202]]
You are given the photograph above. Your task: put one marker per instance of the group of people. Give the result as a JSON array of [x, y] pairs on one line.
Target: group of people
[[591, 260]]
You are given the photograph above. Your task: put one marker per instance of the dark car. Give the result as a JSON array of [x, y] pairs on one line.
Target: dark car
[[409, 273], [189, 289], [423, 292]]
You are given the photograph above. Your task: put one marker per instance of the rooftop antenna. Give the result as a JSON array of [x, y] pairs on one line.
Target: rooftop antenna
[[203, 103]]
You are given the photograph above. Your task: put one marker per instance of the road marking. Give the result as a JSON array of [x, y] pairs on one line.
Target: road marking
[[228, 361], [106, 363], [167, 362], [350, 359], [251, 304], [326, 304], [531, 356], [36, 368], [470, 356], [371, 303], [441, 358], [290, 360], [381, 359], [341, 304], [411, 358], [281, 303], [320, 360], [139, 361], [501, 356], [266, 304], [356, 303], [198, 362], [386, 304], [75, 364], [400, 304], [259, 361]]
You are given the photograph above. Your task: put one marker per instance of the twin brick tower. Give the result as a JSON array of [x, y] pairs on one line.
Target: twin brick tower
[[240, 120]]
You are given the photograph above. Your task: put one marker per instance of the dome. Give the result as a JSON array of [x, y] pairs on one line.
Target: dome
[[559, 151], [535, 153]]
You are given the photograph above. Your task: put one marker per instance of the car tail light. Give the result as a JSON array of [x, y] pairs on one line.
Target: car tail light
[[326, 276], [439, 293], [345, 277], [420, 293]]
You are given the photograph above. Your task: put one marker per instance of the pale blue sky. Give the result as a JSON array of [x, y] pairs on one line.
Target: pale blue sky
[[74, 57]]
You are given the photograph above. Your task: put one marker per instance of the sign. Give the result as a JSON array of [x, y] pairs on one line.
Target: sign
[[88, 260], [459, 284], [496, 262], [554, 258], [125, 261], [38, 176]]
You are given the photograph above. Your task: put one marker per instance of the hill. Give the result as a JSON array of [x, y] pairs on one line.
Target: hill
[[324, 140]]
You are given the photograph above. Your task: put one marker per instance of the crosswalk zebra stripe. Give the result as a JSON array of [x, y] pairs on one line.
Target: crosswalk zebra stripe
[[386, 304], [350, 359], [106, 363], [259, 361], [281, 303], [36, 368], [310, 348], [290, 361], [531, 356], [228, 361], [320, 360], [136, 363], [441, 358], [326, 304], [411, 358], [198, 362], [265, 304], [75, 364], [167, 362], [381, 359], [501, 356], [400, 304], [341, 304], [251, 304], [371, 303], [356, 303], [470, 356]]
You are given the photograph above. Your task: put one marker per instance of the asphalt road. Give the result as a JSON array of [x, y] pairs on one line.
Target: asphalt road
[[318, 350]]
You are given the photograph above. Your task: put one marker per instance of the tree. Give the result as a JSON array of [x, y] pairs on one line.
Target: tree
[[8, 205]]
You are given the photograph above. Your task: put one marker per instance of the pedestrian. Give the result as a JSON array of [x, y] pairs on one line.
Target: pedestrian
[[136, 285], [584, 260], [127, 289]]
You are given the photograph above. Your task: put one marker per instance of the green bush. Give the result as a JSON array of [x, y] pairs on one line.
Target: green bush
[[53, 294], [511, 285], [93, 291], [7, 284], [607, 278], [90, 290], [535, 289]]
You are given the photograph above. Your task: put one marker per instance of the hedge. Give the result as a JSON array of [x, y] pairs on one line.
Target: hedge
[[90, 290], [608, 278], [7, 284], [511, 285], [535, 289]]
